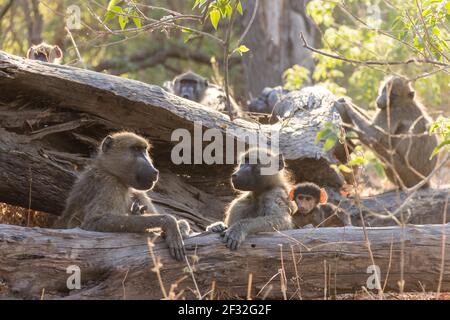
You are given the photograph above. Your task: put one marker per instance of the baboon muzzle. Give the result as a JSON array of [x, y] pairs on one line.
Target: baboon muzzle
[[146, 177]]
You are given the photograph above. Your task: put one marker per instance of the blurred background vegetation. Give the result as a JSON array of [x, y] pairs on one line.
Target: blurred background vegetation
[[147, 50]]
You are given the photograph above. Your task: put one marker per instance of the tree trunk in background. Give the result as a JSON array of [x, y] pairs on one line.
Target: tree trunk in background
[[275, 41]]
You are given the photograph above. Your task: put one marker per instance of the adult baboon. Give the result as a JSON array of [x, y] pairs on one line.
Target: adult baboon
[[312, 208], [45, 52], [101, 198], [264, 206], [398, 133], [192, 86]]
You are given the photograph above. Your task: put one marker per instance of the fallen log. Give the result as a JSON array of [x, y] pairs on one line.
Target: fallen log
[[306, 263]]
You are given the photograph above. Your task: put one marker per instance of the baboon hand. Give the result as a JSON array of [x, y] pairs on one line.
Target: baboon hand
[[217, 227], [234, 236], [185, 228], [137, 209], [176, 245]]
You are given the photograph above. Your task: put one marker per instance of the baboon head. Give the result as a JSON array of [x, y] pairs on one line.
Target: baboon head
[[190, 86], [125, 156], [307, 196], [45, 52], [258, 170], [401, 92]]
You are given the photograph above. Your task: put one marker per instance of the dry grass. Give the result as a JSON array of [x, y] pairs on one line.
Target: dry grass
[[24, 217]]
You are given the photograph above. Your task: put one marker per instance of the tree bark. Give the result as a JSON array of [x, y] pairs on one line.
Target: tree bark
[[274, 41], [312, 263]]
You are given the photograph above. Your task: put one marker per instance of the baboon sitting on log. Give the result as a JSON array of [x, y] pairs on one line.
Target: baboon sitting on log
[[101, 198], [192, 86], [398, 133], [264, 207]]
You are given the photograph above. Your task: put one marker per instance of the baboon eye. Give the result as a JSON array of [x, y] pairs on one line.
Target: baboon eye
[[138, 149]]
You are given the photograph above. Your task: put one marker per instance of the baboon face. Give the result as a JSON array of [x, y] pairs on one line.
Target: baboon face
[[306, 203], [125, 155], [249, 176], [190, 86], [307, 196], [45, 52], [401, 93]]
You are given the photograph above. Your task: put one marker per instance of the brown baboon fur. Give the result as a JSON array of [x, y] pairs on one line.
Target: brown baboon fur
[[101, 198], [409, 123], [263, 207]]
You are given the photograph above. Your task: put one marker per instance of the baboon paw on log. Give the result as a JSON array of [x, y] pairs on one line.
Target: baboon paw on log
[[102, 197], [398, 133], [264, 207]]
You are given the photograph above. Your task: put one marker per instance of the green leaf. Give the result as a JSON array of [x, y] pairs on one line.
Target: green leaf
[[111, 13], [447, 6], [123, 22], [116, 9], [112, 4], [239, 8], [436, 31], [186, 30], [439, 147], [214, 15], [330, 143], [137, 22], [241, 49], [228, 10], [344, 168], [323, 134], [379, 169], [358, 161]]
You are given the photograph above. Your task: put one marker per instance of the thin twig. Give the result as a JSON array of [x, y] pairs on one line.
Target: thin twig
[[370, 62]]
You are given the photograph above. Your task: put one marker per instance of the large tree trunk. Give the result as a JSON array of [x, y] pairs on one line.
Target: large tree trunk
[[311, 263], [274, 41]]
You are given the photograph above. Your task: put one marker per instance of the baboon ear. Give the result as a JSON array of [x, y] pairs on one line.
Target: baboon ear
[[280, 162], [323, 196], [107, 143], [58, 52], [291, 195], [411, 94], [206, 83]]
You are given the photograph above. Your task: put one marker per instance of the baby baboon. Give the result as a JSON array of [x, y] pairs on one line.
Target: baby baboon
[[45, 52], [192, 86], [312, 208], [101, 198], [410, 144], [264, 207]]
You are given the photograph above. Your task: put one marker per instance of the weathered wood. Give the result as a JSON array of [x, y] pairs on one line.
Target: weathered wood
[[425, 206], [120, 266]]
